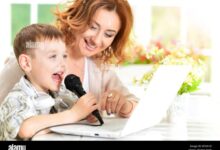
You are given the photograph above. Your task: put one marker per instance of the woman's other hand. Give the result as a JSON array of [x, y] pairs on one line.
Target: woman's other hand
[[115, 103]]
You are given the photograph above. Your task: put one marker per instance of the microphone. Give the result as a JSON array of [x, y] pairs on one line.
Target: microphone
[[73, 83]]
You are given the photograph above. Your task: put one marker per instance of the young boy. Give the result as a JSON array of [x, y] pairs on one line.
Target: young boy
[[41, 53]]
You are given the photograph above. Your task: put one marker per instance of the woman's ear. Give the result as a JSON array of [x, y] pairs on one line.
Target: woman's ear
[[24, 61]]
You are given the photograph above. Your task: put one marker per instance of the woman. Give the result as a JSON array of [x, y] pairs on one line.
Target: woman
[[95, 32]]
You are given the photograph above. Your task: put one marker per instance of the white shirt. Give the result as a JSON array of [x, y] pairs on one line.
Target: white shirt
[[25, 101], [86, 76]]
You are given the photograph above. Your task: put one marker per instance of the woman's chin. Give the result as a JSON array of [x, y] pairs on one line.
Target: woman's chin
[[88, 54]]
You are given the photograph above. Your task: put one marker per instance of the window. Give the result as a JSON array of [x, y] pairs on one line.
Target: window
[[165, 23], [20, 17], [173, 21], [46, 13]]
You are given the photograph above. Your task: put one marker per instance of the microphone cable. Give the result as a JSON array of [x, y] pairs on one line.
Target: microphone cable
[[89, 124]]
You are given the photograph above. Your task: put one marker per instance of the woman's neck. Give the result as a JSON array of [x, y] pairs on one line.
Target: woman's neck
[[75, 63], [75, 54]]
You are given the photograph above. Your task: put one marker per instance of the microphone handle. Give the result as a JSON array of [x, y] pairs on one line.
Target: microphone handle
[[98, 116], [80, 91]]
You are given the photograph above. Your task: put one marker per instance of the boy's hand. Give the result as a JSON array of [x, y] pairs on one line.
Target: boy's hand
[[91, 118], [85, 106]]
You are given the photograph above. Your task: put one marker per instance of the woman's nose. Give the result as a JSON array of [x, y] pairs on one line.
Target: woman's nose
[[97, 39]]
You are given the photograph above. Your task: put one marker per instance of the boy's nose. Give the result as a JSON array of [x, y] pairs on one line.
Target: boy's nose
[[62, 63]]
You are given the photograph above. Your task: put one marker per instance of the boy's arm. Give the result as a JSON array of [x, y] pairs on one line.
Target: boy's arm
[[84, 106], [34, 124]]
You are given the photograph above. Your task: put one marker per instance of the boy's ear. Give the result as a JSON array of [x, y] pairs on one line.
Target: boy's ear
[[25, 62]]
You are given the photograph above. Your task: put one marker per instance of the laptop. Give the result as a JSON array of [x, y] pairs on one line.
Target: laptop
[[150, 110]]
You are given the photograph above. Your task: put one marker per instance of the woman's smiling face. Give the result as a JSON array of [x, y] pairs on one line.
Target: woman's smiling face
[[100, 34]]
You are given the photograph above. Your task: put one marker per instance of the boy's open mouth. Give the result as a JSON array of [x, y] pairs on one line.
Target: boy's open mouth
[[58, 77]]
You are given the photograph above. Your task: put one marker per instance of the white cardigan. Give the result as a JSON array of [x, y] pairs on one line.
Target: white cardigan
[[10, 75], [100, 80]]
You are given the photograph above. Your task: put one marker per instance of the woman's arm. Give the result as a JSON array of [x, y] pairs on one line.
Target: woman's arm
[[102, 82], [10, 74]]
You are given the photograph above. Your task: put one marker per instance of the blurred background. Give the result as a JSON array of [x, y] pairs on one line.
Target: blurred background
[[189, 25]]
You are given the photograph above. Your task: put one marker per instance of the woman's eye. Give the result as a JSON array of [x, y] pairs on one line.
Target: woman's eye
[[53, 56], [93, 27], [109, 35], [65, 56]]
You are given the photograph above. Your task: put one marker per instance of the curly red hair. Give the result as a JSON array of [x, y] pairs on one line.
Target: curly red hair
[[75, 19]]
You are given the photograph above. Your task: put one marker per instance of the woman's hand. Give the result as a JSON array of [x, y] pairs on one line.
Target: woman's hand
[[114, 102]]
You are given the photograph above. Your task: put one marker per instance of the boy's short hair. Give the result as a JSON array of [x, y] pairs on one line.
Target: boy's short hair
[[30, 36]]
